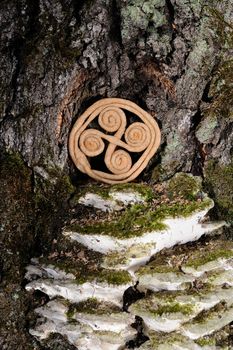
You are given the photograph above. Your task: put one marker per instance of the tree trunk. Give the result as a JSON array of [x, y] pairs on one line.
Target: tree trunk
[[171, 57]]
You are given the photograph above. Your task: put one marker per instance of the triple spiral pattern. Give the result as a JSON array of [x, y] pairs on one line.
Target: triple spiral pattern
[[121, 140]]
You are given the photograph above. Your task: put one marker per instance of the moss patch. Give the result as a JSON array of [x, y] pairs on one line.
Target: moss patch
[[114, 277], [179, 197], [91, 306], [167, 305], [204, 315], [172, 260], [206, 257], [174, 307], [205, 341], [100, 190], [89, 272], [184, 186], [104, 191], [222, 337], [219, 182], [144, 190], [157, 339], [105, 276], [139, 219]]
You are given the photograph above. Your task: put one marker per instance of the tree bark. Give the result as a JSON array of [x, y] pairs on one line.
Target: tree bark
[[171, 57]]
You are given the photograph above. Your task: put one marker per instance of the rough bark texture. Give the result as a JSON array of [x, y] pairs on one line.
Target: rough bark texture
[[172, 57]]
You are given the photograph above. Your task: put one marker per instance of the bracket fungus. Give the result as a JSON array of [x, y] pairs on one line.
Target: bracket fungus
[[126, 279], [128, 146]]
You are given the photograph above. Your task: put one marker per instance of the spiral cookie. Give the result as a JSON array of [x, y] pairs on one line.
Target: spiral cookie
[[116, 137]]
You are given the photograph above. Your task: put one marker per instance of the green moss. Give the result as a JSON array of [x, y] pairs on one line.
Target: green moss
[[130, 223], [185, 309], [211, 313], [166, 306], [13, 163], [55, 175], [83, 274], [114, 259], [139, 219], [106, 276], [182, 193], [219, 182], [57, 186], [79, 270], [100, 190], [144, 190], [208, 257], [198, 256], [184, 185], [91, 306], [114, 277], [222, 338], [205, 341], [157, 339], [104, 191]]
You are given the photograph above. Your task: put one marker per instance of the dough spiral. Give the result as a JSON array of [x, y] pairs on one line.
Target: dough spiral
[[111, 119], [91, 143], [137, 136], [115, 138]]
